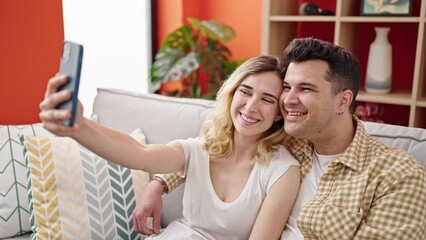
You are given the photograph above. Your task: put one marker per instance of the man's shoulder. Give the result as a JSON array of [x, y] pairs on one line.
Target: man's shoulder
[[391, 161], [296, 146], [375, 153]]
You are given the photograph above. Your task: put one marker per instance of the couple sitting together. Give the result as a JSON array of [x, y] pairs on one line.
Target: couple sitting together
[[280, 156]]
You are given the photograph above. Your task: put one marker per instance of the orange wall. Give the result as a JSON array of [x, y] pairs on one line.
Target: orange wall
[[169, 18], [30, 46], [32, 34], [244, 16]]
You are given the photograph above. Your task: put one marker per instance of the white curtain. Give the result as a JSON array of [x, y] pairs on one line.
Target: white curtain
[[116, 36]]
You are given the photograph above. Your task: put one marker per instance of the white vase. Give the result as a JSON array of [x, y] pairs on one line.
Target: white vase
[[379, 66]]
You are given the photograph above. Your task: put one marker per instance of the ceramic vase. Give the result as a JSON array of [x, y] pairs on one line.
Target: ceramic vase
[[379, 65]]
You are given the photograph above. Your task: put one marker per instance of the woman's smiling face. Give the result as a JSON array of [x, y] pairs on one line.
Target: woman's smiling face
[[255, 104]]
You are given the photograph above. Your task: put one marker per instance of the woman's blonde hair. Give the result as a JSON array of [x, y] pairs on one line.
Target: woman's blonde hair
[[218, 130]]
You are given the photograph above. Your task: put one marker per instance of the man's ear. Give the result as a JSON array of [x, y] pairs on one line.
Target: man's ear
[[346, 98]]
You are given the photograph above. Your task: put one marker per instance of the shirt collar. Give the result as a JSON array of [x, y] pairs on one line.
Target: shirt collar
[[302, 150], [353, 155]]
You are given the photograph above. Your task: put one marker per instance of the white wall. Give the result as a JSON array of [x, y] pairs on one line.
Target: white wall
[[116, 36]]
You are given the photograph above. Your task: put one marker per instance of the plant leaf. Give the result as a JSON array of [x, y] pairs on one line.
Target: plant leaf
[[182, 68], [164, 61], [178, 39], [214, 29]]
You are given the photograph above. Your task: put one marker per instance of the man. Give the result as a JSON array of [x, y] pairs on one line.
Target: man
[[353, 186]]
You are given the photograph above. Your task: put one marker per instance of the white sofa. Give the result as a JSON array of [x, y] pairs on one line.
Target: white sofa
[[161, 119]]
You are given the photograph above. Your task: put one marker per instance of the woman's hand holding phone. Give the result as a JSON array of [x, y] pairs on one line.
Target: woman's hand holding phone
[[60, 109], [52, 117], [70, 65]]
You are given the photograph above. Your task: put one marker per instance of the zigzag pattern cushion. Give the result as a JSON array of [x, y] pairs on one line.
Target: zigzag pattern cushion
[[14, 206], [74, 194]]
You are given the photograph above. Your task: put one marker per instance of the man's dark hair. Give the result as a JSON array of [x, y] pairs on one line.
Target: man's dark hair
[[344, 69]]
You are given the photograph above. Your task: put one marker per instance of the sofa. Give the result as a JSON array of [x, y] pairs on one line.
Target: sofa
[[148, 118]]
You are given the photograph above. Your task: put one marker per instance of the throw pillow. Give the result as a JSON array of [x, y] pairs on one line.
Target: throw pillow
[[75, 194], [14, 206]]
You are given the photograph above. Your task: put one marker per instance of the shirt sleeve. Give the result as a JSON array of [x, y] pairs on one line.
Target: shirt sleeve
[[172, 180], [278, 166]]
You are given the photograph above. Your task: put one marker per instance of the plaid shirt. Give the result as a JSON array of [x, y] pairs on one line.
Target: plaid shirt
[[373, 191]]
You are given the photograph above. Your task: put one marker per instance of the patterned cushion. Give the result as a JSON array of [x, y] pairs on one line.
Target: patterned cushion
[[74, 194], [14, 211]]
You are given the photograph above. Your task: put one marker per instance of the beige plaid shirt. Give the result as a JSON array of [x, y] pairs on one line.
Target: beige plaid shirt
[[373, 191]]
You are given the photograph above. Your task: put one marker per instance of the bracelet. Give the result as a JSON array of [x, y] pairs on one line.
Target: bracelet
[[163, 184]]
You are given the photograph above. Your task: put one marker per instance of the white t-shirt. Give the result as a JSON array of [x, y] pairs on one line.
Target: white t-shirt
[[307, 191], [205, 216]]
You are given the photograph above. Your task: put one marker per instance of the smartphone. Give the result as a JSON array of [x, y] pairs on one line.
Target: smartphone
[[71, 62]]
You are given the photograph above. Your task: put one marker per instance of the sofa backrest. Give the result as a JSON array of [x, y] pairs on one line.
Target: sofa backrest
[[161, 118], [413, 140], [166, 118]]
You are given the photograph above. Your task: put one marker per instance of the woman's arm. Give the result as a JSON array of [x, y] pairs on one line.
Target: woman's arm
[[122, 149], [277, 206], [108, 143]]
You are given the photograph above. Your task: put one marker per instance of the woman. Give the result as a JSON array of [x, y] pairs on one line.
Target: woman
[[239, 178]]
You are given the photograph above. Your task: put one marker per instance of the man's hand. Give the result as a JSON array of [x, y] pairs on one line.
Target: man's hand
[[147, 214]]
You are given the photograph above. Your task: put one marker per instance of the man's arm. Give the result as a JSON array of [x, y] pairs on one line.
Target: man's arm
[[399, 211], [147, 214]]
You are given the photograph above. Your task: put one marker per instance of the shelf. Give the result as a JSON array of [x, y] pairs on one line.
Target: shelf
[[280, 18], [395, 97], [355, 19], [421, 102], [380, 19]]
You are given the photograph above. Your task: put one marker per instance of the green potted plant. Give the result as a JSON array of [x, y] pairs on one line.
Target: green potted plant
[[194, 57]]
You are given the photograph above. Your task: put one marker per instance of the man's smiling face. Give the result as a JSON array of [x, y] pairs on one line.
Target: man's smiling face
[[307, 102]]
